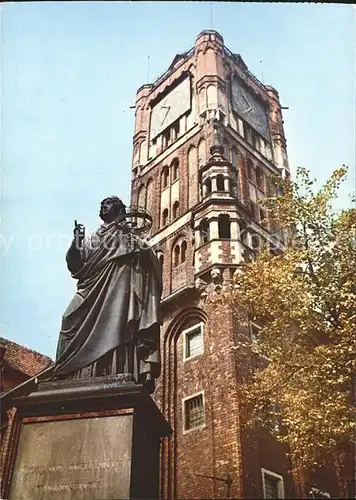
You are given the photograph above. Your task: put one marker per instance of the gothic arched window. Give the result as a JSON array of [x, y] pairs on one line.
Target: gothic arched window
[[175, 211], [208, 186], [220, 182], [176, 254], [250, 170], [175, 169], [164, 178], [165, 217], [183, 251]]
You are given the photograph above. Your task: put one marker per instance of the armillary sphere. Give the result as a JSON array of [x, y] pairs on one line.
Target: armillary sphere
[[136, 219]]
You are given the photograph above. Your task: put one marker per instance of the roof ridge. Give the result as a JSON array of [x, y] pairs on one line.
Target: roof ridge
[[24, 347], [22, 358]]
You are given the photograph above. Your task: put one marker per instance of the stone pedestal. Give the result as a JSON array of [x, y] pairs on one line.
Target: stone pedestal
[[80, 440]]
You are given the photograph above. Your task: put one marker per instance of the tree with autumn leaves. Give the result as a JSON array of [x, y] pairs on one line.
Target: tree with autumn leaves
[[304, 300]]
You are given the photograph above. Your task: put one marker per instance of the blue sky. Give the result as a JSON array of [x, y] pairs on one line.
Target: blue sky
[[69, 74]]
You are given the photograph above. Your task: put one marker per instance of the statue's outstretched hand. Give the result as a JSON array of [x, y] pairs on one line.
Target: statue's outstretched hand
[[79, 234]]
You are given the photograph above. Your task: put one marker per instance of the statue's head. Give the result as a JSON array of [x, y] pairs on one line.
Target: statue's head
[[111, 208]]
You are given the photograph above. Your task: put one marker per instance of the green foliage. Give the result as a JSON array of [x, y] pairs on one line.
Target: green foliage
[[305, 302]]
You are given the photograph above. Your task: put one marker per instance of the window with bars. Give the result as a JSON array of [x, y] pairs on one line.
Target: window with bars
[[193, 341], [273, 486], [194, 415]]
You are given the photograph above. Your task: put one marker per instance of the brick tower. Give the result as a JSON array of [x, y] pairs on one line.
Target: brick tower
[[207, 134]]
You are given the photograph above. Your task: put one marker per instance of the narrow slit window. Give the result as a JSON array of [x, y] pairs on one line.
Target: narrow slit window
[[194, 412], [220, 183], [183, 252], [273, 485], [175, 210], [165, 217], [176, 256], [204, 231], [224, 227], [175, 169]]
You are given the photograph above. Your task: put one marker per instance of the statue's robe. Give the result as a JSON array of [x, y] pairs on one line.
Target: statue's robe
[[115, 310]]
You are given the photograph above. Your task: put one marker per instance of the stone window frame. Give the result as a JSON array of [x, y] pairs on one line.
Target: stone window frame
[[185, 333], [175, 169], [184, 401], [267, 472]]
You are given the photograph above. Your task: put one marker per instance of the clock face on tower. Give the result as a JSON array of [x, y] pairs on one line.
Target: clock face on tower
[[249, 108], [171, 107]]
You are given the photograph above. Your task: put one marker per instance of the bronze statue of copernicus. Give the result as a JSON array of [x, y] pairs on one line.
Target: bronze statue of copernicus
[[112, 324]]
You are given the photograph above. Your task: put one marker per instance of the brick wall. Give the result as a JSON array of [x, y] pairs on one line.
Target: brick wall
[[223, 446], [11, 378]]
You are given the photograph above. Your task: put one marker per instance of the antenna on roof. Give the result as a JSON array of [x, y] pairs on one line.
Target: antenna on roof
[[262, 80], [148, 69], [211, 15]]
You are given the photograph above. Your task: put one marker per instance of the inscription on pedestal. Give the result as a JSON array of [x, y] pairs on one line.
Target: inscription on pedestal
[[81, 459]]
